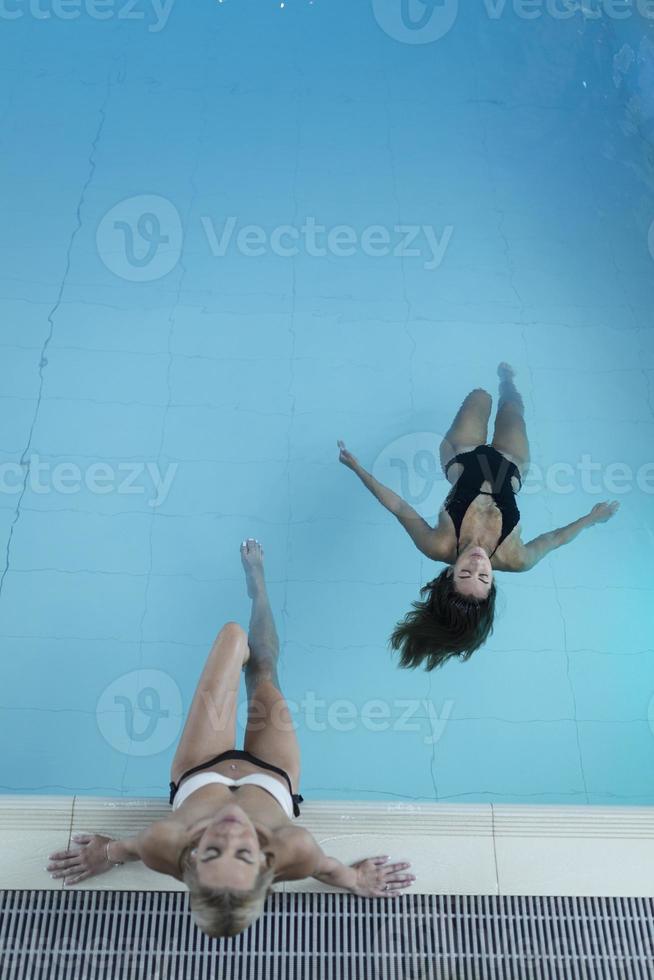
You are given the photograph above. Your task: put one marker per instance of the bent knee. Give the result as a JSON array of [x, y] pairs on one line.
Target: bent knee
[[479, 401], [233, 630]]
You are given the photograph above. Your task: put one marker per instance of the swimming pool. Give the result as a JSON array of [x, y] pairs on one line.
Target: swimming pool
[[236, 235]]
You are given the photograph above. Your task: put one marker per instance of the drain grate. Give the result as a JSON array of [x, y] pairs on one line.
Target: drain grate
[[98, 935]]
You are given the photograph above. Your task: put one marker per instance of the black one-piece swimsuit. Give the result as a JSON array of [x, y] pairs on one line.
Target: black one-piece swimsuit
[[481, 464]]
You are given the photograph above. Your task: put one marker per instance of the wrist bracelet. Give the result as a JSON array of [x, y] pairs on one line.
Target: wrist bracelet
[[114, 864]]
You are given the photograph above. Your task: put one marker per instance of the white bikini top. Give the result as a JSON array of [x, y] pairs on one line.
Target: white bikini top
[[269, 783]]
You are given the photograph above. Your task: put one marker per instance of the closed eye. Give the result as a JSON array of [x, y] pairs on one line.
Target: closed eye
[[215, 853]]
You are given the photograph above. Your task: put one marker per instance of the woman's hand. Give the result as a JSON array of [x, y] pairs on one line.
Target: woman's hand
[[86, 857], [375, 878], [601, 513], [346, 457]]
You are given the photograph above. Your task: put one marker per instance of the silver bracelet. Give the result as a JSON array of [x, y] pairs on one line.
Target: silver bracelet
[[114, 864]]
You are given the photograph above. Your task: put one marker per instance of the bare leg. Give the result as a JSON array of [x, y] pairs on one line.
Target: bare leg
[[510, 435], [269, 734], [469, 428], [211, 723]]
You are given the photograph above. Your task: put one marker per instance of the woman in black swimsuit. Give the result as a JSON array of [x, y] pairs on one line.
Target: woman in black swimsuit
[[478, 530]]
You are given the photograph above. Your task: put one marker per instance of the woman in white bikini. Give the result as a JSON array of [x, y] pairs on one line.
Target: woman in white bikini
[[478, 529], [230, 834]]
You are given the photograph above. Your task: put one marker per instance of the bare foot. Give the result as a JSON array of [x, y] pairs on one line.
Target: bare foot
[[252, 558], [505, 371]]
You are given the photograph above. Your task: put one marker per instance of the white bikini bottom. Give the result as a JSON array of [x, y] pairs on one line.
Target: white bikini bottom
[[269, 783]]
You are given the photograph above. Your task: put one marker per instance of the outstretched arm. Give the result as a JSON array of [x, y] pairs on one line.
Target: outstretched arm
[[299, 855], [370, 878], [92, 854], [535, 550], [427, 539]]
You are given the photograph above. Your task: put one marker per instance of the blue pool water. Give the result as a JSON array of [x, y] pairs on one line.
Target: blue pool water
[[173, 380]]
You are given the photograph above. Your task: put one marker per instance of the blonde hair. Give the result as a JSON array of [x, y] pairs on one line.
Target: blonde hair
[[220, 912]]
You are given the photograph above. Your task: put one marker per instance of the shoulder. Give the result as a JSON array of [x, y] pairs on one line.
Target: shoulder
[[296, 853], [514, 557], [442, 540], [433, 542], [160, 846]]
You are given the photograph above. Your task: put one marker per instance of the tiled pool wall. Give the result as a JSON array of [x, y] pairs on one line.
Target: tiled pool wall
[[166, 413]]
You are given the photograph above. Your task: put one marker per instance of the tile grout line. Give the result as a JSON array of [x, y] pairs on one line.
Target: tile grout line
[[494, 839], [172, 323], [43, 361], [290, 321]]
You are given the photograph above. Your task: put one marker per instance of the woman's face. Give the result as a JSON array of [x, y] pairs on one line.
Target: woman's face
[[229, 853], [472, 572]]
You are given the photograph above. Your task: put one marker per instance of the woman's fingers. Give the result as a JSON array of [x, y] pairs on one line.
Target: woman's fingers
[[77, 862], [388, 892], [72, 861], [61, 859], [77, 839], [61, 855], [393, 868], [383, 879], [77, 879], [396, 876], [66, 872], [396, 886]]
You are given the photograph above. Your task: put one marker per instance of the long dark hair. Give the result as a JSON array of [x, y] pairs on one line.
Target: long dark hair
[[445, 624]]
